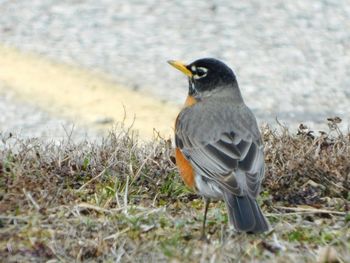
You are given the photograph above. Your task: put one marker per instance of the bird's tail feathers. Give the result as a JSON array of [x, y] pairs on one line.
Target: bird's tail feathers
[[245, 214]]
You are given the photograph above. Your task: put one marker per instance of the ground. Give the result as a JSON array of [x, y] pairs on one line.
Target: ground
[[123, 201]]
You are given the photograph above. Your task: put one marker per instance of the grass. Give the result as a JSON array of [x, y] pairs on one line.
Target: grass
[[123, 201]]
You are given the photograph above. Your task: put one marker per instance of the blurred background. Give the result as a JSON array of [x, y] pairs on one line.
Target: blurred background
[[292, 60]]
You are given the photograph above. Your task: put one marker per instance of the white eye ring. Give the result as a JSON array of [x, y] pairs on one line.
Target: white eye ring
[[204, 72]]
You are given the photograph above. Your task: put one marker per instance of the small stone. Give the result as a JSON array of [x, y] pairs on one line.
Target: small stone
[[327, 255], [104, 120]]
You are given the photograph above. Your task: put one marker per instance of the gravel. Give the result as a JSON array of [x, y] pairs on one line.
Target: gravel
[[292, 58]]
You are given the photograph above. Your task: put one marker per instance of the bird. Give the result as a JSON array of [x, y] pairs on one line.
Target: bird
[[219, 149]]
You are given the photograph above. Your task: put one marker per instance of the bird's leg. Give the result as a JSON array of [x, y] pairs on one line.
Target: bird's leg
[[203, 236]]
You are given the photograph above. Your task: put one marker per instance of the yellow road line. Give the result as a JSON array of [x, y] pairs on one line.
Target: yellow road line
[[82, 95]]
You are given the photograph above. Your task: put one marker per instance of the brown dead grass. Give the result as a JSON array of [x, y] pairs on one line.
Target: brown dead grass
[[119, 200]]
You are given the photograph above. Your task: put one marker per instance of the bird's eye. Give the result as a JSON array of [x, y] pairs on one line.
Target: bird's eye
[[200, 72]]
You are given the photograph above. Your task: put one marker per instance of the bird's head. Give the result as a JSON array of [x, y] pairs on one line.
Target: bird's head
[[205, 74]]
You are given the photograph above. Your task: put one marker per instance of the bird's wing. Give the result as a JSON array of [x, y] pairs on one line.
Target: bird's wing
[[225, 148]]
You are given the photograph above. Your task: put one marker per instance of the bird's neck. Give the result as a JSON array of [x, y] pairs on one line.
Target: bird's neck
[[224, 92]]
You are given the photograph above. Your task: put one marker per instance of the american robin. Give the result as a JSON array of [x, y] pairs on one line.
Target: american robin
[[219, 150]]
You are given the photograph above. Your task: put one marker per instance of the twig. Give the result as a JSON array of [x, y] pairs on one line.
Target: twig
[[31, 199], [97, 208], [116, 235], [20, 218], [126, 191], [94, 178], [144, 210], [151, 211], [277, 243], [311, 210], [69, 134], [137, 174], [120, 252]]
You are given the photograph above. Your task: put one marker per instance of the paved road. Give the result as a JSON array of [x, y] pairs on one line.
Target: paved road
[[292, 57], [27, 121]]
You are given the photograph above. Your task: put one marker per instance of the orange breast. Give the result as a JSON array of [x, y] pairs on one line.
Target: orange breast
[[185, 168], [190, 101]]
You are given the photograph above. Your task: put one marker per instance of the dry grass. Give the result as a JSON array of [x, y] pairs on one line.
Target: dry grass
[[121, 201]]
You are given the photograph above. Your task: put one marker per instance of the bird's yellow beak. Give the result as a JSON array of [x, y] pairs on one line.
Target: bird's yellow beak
[[180, 66]]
